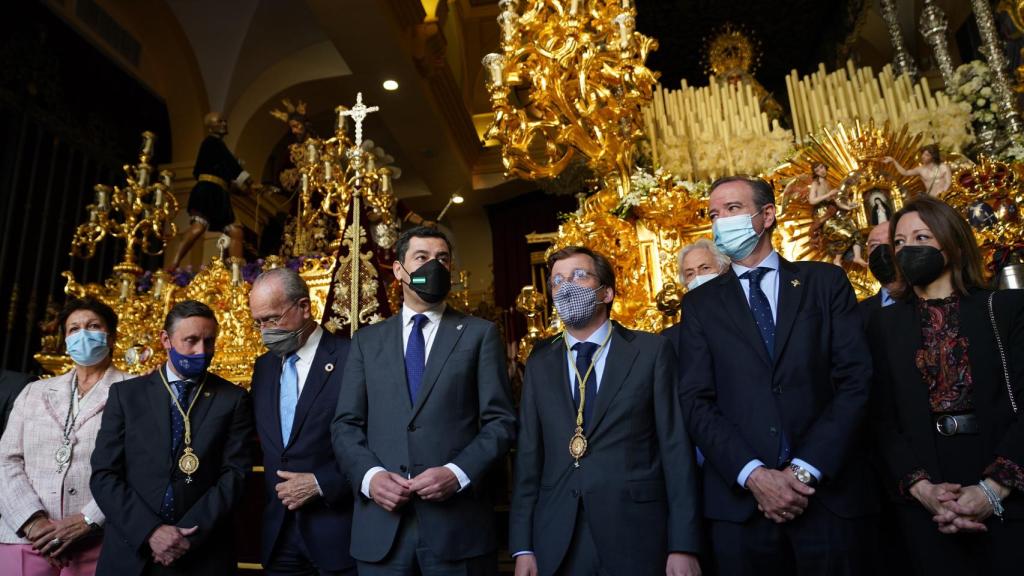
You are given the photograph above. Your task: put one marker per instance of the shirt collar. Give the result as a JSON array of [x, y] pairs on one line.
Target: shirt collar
[[434, 314], [308, 350], [172, 376], [886, 297], [770, 261], [597, 337]]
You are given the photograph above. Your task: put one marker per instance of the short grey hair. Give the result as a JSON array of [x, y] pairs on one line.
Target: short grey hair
[[294, 287], [704, 244]]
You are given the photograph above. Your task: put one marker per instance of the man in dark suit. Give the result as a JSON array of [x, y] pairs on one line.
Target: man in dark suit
[[307, 522], [775, 383], [11, 384], [423, 416], [170, 459], [882, 263], [606, 484]]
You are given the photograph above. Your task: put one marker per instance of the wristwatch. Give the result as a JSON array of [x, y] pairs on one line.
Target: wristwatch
[[88, 522], [803, 475]]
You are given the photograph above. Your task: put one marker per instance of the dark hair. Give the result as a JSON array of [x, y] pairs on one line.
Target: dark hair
[[933, 149], [763, 192], [187, 309], [418, 232], [93, 305], [602, 267], [954, 236]]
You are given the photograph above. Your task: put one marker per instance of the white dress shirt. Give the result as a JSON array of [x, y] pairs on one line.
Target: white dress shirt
[[306, 353], [770, 287], [429, 329], [599, 359]]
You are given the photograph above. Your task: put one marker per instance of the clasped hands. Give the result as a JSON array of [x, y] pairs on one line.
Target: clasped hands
[[957, 508], [390, 491], [51, 538], [780, 496]]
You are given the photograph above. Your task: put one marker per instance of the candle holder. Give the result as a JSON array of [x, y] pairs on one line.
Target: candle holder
[[141, 213]]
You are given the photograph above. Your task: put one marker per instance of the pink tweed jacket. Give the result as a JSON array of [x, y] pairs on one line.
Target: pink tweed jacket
[[29, 480]]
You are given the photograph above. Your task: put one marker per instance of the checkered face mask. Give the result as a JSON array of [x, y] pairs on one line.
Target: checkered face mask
[[575, 304]]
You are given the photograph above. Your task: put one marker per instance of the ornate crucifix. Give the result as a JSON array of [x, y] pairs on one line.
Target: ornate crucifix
[[359, 112]]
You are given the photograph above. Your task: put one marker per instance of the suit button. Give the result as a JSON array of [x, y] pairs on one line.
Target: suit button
[[773, 431], [412, 427], [403, 468], [72, 491], [575, 493]]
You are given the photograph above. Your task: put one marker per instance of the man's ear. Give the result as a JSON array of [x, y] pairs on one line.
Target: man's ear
[[609, 295], [769, 215]]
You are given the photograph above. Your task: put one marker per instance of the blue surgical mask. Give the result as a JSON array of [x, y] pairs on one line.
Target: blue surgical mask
[[189, 366], [735, 235], [87, 347], [698, 280]]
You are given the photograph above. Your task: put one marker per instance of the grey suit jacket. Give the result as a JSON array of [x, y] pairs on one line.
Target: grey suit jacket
[[463, 415], [636, 485]]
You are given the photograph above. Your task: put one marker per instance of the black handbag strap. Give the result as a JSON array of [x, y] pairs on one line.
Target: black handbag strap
[[1002, 352]]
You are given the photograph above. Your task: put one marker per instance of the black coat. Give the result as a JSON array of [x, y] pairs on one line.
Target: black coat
[[325, 523], [901, 413], [738, 401], [637, 482], [132, 465], [11, 384]]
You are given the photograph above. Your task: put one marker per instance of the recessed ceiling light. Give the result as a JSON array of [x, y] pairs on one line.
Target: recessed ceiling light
[[390, 85]]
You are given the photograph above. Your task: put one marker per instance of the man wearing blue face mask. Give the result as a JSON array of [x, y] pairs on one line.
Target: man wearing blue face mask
[[170, 459], [775, 382]]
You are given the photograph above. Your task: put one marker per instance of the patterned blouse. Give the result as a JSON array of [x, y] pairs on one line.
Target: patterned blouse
[[945, 368]]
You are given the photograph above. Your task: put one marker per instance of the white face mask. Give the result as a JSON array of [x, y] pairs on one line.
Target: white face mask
[[698, 280]]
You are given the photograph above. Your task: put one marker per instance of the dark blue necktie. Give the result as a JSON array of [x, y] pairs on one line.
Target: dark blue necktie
[[762, 311], [182, 389], [584, 356], [761, 308], [415, 356]]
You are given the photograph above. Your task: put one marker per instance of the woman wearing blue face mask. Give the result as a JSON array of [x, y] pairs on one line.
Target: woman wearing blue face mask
[[49, 522]]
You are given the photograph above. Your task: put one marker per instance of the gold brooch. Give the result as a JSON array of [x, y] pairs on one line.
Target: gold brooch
[[795, 283]]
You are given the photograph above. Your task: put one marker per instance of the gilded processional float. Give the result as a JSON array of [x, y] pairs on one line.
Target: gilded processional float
[[570, 87]]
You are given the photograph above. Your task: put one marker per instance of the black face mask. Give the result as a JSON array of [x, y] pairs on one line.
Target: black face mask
[[431, 281], [882, 264], [920, 265]]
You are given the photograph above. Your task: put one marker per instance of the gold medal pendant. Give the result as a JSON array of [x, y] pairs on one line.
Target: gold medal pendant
[[578, 445], [188, 463]]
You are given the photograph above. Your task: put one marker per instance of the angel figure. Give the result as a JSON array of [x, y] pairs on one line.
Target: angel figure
[[833, 227], [933, 172]]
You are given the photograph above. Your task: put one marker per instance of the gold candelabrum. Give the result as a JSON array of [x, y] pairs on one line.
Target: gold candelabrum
[[141, 213], [570, 79], [340, 178]]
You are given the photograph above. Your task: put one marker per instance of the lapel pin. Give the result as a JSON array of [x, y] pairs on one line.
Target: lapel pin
[[795, 283], [206, 394], [328, 367], [459, 327]]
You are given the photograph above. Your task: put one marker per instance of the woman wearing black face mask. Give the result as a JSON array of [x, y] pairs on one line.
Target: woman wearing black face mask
[[945, 415]]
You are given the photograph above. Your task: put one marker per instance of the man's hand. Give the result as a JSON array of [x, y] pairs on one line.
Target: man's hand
[[296, 489], [680, 564], [169, 543], [933, 496], [67, 531], [780, 496], [435, 484], [526, 565], [389, 490]]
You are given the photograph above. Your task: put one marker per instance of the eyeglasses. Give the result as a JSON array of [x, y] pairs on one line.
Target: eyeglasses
[[273, 321], [578, 276]]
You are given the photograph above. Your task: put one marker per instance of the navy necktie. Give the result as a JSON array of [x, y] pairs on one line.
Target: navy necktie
[[182, 389], [762, 311], [415, 356], [584, 356], [761, 308]]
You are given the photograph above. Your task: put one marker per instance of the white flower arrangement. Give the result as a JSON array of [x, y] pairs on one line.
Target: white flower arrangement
[[973, 82]]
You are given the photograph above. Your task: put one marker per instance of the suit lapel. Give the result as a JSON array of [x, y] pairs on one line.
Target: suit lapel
[[206, 398], [270, 386], [392, 363], [616, 368], [554, 361], [738, 310], [448, 334], [315, 381], [791, 295], [160, 401]]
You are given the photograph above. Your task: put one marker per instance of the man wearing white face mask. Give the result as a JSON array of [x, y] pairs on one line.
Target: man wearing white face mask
[[775, 382], [604, 475], [307, 519]]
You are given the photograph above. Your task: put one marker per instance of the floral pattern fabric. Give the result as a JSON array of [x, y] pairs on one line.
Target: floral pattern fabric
[[943, 358]]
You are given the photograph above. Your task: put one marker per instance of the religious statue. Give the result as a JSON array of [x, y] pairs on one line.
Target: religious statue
[[217, 171], [834, 227], [933, 172]]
